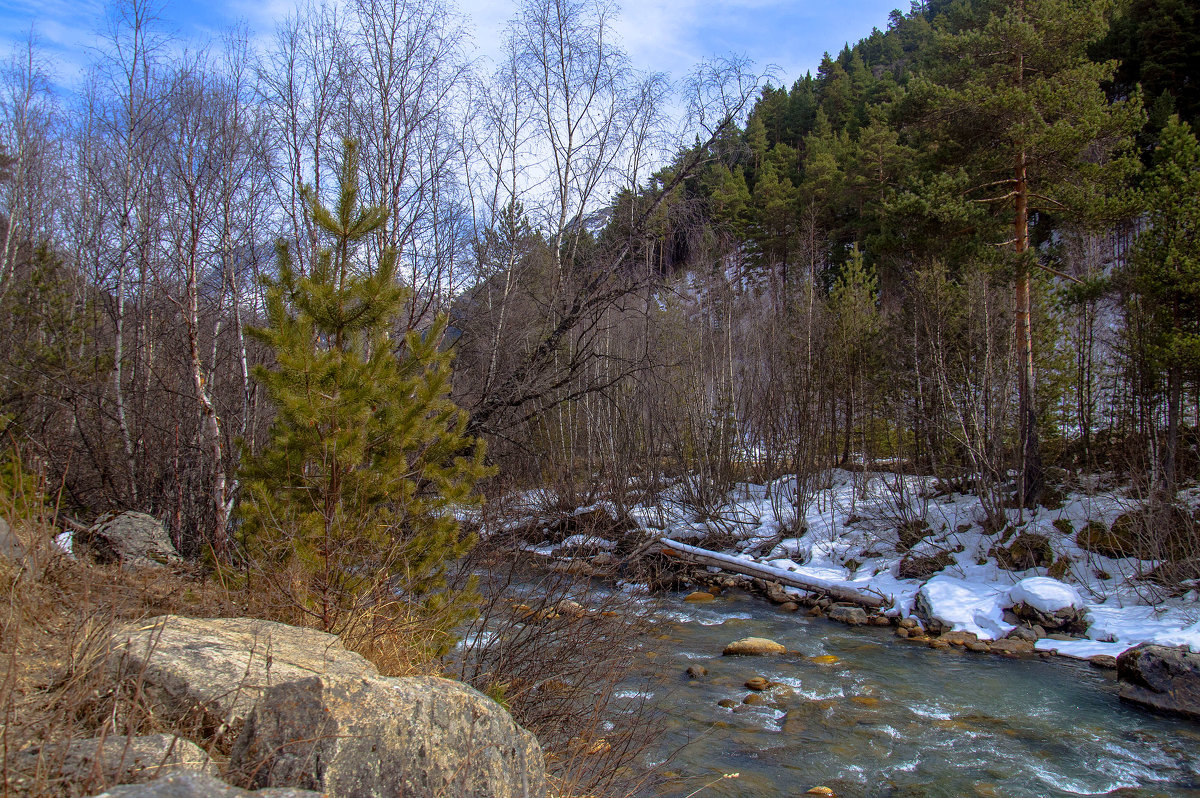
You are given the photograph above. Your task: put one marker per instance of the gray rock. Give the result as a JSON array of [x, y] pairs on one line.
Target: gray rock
[[191, 784], [130, 539], [207, 674], [1025, 633], [1072, 620], [10, 547], [1166, 679], [359, 737], [924, 612], [854, 616], [776, 594], [129, 760]]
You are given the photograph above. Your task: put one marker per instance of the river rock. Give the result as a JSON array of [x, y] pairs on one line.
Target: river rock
[[207, 674], [1160, 677], [418, 737], [727, 703], [978, 647], [758, 683], [696, 671], [753, 700], [129, 760], [789, 606], [775, 593], [959, 638], [753, 646], [1103, 661], [130, 539], [850, 615], [699, 596], [193, 784], [1049, 603], [1011, 647], [1030, 634]]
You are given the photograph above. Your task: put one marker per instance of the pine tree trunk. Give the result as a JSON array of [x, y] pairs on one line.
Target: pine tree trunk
[[1030, 488]]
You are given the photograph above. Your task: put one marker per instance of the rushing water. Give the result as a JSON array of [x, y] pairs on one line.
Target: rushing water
[[868, 714]]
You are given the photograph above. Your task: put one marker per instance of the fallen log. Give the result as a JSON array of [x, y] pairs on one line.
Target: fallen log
[[725, 562]]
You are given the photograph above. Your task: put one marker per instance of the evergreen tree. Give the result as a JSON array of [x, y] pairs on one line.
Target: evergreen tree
[[1016, 104], [349, 508], [1165, 272]]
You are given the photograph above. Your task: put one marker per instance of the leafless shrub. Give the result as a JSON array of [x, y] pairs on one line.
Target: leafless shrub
[[567, 659]]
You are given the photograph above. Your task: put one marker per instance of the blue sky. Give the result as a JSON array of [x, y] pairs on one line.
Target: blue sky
[[660, 35]]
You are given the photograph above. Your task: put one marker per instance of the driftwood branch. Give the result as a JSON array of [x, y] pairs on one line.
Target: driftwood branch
[[725, 562]]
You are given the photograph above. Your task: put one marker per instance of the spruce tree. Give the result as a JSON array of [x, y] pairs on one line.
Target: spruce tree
[[350, 506]]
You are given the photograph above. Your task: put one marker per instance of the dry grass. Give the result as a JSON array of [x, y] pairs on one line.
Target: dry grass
[[56, 625], [56, 684]]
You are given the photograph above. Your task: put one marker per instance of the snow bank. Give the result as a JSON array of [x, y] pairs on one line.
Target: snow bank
[[846, 538]]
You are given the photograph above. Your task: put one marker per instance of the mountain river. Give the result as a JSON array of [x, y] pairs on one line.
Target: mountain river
[[865, 714]]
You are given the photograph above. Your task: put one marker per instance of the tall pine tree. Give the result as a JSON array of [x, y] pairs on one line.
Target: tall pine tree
[[350, 507], [1016, 106]]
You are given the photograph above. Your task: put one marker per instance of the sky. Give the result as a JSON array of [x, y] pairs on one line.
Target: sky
[[659, 35]]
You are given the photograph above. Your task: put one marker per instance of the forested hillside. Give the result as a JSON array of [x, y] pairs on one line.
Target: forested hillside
[[964, 248]]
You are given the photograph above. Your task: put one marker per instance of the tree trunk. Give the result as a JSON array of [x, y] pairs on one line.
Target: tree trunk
[[1030, 487]]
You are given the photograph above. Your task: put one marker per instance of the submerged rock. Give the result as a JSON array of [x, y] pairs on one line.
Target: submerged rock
[[847, 614], [753, 646], [1163, 678], [699, 596]]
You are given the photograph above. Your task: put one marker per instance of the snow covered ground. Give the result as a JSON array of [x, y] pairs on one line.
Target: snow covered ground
[[849, 538]]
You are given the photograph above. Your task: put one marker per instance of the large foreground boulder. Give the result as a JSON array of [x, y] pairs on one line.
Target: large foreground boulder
[[192, 784], [418, 737], [205, 675], [129, 539], [1160, 677]]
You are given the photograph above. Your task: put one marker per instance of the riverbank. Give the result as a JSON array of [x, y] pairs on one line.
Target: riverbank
[[929, 556]]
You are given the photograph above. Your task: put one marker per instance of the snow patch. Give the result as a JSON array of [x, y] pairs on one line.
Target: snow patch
[[1045, 594], [966, 606]]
